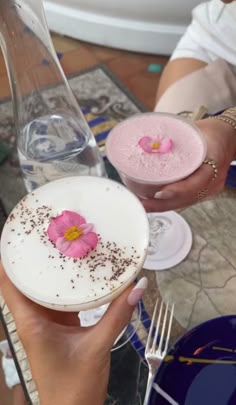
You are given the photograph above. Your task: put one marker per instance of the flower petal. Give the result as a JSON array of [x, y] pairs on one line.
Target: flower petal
[[71, 218], [86, 228], [145, 144], [56, 228], [73, 248], [166, 146], [62, 244], [90, 239], [77, 249], [60, 224]]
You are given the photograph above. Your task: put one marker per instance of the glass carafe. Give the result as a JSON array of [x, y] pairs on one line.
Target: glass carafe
[[53, 138]]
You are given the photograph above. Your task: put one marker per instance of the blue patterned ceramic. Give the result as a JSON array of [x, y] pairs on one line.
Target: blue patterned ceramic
[[200, 368]]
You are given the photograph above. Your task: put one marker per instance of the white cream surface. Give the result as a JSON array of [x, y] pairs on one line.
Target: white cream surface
[[38, 269]]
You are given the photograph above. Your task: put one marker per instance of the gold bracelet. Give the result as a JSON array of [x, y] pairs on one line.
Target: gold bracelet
[[226, 119], [228, 116], [230, 111]]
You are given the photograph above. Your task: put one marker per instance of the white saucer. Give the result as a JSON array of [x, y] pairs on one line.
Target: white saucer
[[173, 244], [93, 316]]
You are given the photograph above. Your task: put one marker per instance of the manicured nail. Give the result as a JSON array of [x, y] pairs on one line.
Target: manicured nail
[[164, 195], [137, 292]]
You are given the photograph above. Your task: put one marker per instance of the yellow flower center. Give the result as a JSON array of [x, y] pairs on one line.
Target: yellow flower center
[[73, 233], [156, 145]]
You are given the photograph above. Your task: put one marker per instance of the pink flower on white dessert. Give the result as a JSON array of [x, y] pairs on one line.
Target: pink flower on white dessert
[[155, 144], [72, 235]]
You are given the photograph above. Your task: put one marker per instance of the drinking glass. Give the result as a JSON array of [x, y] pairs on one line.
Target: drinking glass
[[170, 235]]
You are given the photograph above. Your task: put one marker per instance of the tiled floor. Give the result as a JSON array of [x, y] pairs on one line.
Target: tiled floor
[[132, 70]]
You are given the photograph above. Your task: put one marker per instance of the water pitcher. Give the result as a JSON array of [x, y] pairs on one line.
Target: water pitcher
[[53, 138]]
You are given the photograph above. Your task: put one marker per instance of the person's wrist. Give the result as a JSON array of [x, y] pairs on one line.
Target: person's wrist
[[228, 124], [80, 394], [86, 387], [77, 400], [225, 129]]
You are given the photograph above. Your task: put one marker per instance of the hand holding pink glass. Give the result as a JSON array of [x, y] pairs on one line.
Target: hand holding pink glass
[[151, 150]]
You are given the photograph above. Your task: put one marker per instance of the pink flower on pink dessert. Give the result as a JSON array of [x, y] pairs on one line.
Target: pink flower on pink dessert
[[155, 144], [72, 235]]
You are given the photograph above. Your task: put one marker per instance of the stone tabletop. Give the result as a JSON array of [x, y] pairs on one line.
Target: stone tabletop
[[203, 286]]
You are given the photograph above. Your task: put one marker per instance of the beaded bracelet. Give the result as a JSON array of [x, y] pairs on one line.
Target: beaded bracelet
[[228, 116]]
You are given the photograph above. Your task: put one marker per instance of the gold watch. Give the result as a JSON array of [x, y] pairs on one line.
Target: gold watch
[[228, 116]]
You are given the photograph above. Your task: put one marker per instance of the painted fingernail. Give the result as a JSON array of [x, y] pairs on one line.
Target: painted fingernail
[[137, 292], [164, 195]]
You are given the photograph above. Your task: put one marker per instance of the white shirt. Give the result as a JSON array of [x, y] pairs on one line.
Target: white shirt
[[212, 33]]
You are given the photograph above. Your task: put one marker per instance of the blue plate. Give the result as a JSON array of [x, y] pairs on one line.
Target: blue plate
[[200, 368], [231, 177]]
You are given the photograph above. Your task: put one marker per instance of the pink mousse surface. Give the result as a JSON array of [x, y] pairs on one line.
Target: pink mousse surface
[[126, 155]]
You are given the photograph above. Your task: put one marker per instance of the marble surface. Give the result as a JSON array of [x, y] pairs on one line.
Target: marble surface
[[203, 286]]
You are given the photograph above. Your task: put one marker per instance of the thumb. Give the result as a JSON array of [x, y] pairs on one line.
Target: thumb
[[120, 311]]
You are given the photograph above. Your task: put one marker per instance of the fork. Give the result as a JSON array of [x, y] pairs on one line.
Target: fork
[[156, 351]]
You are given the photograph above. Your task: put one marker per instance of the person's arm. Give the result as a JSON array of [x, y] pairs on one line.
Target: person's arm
[[70, 364]]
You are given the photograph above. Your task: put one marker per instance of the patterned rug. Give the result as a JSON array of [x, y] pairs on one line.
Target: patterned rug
[[104, 102]]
